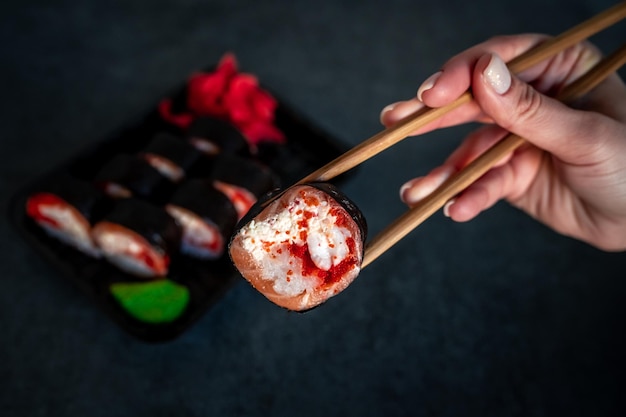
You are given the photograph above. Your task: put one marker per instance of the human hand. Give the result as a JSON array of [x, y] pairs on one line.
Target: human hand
[[571, 175]]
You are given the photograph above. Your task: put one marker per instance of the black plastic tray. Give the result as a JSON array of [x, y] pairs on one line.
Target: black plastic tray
[[307, 148]]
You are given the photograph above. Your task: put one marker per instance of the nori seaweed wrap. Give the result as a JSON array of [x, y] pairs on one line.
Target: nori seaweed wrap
[[207, 216], [138, 237]]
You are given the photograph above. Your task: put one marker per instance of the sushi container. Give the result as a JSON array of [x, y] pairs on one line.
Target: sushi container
[[145, 246]]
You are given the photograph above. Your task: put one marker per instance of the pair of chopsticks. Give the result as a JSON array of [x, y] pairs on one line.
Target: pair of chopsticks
[[462, 179]]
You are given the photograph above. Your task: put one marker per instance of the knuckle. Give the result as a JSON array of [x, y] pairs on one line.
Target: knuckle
[[526, 108]]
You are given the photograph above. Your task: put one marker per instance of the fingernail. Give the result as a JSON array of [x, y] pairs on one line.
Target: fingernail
[[446, 207], [386, 109], [428, 84], [418, 188], [497, 75], [408, 185]]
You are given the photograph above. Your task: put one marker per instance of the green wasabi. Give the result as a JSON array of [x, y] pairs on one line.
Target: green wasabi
[[161, 301]]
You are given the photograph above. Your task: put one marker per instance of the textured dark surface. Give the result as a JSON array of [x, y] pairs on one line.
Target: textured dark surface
[[496, 317]]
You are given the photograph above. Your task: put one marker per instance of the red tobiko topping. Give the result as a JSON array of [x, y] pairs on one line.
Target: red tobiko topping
[[232, 96], [334, 274], [342, 219]]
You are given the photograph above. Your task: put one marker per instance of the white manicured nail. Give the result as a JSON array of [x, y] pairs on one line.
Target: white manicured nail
[[389, 107], [497, 75], [428, 84], [418, 188], [386, 109], [446, 207], [408, 185]]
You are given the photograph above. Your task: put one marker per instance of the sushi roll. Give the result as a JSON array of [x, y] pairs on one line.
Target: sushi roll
[[207, 217], [128, 175], [138, 237], [242, 180], [214, 136], [65, 210], [303, 247], [170, 155]]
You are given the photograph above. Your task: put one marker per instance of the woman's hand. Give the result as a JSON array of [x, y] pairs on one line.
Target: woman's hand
[[571, 175]]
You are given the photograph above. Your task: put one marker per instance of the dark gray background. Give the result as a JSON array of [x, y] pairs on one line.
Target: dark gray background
[[496, 317]]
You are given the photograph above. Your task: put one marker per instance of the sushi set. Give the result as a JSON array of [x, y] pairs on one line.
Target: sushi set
[[159, 220], [141, 220]]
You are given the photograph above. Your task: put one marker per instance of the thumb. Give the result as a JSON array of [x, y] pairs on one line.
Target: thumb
[[519, 108]]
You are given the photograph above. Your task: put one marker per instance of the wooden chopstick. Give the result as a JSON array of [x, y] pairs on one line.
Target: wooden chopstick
[[461, 180], [404, 128]]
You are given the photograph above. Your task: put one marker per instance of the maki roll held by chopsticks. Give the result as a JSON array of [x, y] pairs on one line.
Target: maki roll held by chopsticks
[[302, 248]]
